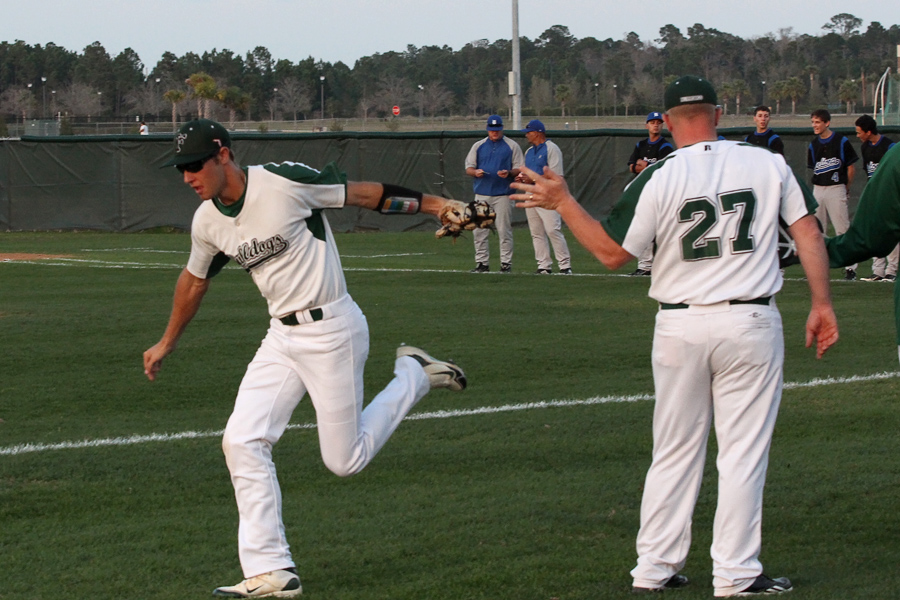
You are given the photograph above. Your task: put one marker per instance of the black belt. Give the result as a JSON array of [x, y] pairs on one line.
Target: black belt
[[314, 313], [764, 300]]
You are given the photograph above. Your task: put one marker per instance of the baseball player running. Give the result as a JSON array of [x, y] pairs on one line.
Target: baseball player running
[[268, 218], [718, 349]]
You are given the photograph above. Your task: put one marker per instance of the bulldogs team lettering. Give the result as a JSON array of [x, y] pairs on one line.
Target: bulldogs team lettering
[[254, 253]]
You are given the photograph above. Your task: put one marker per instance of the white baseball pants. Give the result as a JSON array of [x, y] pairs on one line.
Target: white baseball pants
[[502, 205], [720, 363], [887, 265], [545, 224], [326, 359], [832, 201]]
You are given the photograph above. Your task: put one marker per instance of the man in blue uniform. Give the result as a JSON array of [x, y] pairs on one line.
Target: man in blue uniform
[[831, 157], [874, 147], [764, 136], [494, 162], [544, 223], [648, 152]]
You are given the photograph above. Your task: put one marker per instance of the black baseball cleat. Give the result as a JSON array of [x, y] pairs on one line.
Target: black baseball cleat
[[763, 586], [481, 268], [640, 273], [566, 271], [505, 267], [872, 278], [850, 275], [441, 373], [675, 581], [283, 583], [890, 278], [543, 271]]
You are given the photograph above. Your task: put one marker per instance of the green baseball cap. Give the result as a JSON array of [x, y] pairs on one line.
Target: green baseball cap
[[690, 89], [197, 140]]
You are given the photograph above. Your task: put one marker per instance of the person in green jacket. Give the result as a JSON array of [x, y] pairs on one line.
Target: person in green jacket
[[875, 228]]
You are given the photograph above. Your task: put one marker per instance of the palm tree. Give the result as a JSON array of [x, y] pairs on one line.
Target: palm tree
[[778, 92], [794, 88], [234, 100], [174, 96], [726, 93], [848, 92], [738, 88], [204, 91], [563, 95]]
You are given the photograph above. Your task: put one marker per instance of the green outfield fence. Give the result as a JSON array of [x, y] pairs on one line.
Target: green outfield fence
[[114, 182]]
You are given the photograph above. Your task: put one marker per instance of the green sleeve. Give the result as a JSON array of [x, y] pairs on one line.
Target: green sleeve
[[330, 175], [619, 220], [875, 228]]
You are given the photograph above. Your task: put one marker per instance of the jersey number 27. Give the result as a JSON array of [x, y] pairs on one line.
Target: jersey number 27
[[696, 245]]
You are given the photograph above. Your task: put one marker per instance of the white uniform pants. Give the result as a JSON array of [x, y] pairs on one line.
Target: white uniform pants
[[720, 363], [545, 224], [645, 260], [832, 201], [326, 359], [502, 205], [887, 265]]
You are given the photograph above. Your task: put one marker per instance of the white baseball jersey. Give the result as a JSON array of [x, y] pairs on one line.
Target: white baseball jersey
[[278, 233], [716, 229]]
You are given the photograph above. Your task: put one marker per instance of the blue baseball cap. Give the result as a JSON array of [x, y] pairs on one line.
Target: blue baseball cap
[[654, 116], [534, 125], [495, 123]]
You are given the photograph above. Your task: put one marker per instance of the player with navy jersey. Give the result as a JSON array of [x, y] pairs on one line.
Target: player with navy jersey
[[713, 207], [764, 136], [493, 163], [648, 152], [831, 157], [874, 147], [270, 220]]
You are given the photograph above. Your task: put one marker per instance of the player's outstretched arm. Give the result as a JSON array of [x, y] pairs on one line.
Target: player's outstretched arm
[[189, 292], [550, 191], [821, 326], [378, 196]]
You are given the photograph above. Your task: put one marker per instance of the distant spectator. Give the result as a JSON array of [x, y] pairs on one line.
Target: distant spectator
[[144, 129]]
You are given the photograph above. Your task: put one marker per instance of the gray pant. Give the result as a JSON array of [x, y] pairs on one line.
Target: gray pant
[[832, 201], [887, 265], [503, 207], [545, 224]]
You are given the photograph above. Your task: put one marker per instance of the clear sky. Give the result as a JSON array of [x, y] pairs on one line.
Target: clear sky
[[345, 30]]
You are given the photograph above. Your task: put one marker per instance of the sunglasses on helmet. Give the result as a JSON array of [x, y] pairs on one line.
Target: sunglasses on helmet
[[196, 166]]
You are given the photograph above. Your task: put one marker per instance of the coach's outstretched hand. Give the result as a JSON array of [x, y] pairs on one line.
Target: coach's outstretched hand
[[545, 191]]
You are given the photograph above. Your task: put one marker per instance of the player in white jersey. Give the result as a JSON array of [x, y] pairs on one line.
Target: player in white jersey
[[269, 219], [718, 349]]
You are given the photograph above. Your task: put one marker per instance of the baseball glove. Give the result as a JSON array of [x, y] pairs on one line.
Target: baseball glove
[[457, 217]]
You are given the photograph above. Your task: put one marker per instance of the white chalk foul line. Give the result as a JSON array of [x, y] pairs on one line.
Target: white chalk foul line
[[441, 414]]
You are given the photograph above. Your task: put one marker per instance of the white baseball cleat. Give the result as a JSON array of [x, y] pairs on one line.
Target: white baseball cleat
[[283, 583], [441, 373]]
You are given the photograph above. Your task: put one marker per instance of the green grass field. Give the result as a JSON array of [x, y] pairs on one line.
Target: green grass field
[[532, 502]]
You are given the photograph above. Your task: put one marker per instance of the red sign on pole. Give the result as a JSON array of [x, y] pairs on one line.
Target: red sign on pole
[[396, 111]]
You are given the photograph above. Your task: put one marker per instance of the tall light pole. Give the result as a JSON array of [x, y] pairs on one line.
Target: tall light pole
[[596, 100], [155, 98], [322, 79], [764, 92], [421, 99], [44, 94], [515, 76], [615, 100]]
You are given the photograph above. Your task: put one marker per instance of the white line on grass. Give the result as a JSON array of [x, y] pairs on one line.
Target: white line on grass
[[441, 414]]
